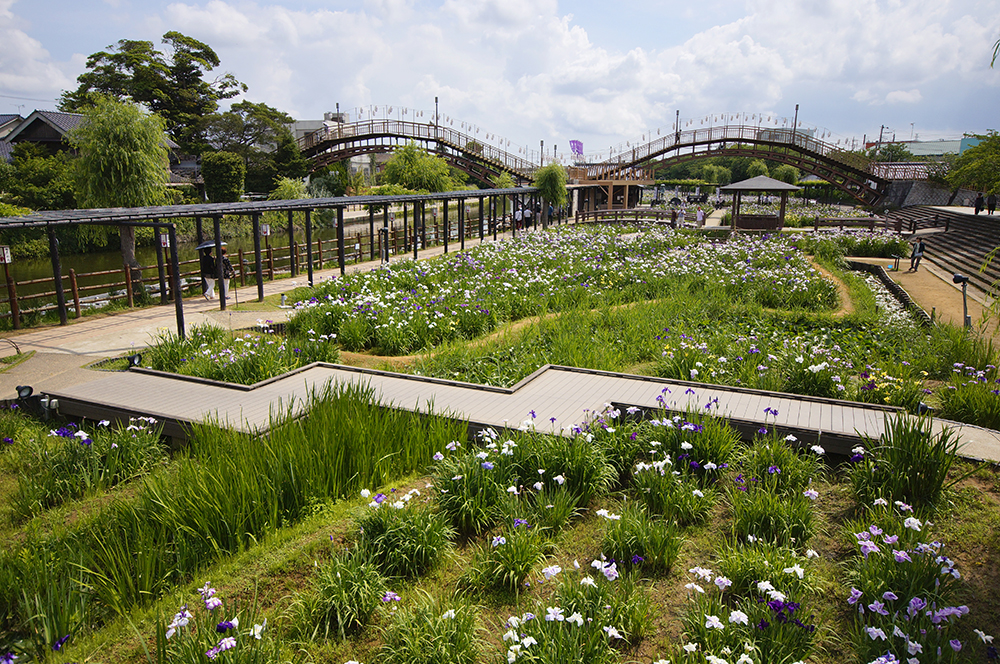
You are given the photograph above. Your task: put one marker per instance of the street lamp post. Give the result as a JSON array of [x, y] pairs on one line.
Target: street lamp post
[[960, 279]]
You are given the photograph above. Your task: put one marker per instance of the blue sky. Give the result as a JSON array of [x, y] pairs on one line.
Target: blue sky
[[533, 70]]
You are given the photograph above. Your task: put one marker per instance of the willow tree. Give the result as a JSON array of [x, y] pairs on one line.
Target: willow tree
[[551, 183], [122, 163]]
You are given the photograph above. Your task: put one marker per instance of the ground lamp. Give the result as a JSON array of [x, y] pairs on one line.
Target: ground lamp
[[134, 360], [959, 279], [24, 391]]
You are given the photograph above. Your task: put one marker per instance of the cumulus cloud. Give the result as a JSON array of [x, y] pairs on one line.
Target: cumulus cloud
[[529, 70]]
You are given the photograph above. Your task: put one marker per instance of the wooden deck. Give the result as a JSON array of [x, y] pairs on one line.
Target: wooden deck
[[561, 397]]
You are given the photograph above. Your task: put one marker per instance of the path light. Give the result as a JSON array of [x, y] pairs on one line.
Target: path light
[[24, 391], [959, 279], [134, 360]]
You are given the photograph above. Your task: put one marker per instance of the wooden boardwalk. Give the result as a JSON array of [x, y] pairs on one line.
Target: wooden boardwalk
[[561, 397]]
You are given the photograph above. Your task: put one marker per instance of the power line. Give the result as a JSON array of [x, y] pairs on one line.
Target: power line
[[26, 98]]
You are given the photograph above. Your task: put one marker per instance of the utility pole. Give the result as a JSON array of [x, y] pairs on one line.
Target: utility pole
[[541, 157]]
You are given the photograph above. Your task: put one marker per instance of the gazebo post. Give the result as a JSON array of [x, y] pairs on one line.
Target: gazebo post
[[445, 224], [371, 232], [781, 211], [736, 208]]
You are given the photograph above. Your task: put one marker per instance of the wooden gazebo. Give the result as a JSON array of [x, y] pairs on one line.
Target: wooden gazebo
[[764, 184]]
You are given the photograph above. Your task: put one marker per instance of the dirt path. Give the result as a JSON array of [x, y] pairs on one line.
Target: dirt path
[[934, 291], [846, 304]]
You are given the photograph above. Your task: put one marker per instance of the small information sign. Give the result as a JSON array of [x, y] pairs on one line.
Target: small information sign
[[164, 240], [5, 256], [265, 229]]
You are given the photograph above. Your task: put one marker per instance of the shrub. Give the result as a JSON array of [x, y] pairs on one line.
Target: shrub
[[428, 633], [402, 540], [641, 541], [213, 629], [346, 593], [507, 559], [908, 462]]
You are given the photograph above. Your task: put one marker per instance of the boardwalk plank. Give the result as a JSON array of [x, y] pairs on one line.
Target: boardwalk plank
[[563, 394]]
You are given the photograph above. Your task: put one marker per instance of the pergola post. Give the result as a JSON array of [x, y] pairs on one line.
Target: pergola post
[[461, 224], [309, 246], [340, 240], [444, 223], [57, 275], [371, 232], [482, 218], [175, 276], [199, 235], [258, 268], [291, 246], [781, 210], [416, 224], [160, 272], [217, 230]]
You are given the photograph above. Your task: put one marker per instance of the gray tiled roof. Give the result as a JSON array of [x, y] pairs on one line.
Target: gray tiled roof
[[7, 117], [6, 150], [63, 121]]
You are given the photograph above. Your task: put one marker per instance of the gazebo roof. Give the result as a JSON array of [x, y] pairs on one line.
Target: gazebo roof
[[760, 183]]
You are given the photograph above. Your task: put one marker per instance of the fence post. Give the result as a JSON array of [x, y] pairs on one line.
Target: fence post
[[76, 291], [128, 286], [243, 273], [319, 254], [270, 263]]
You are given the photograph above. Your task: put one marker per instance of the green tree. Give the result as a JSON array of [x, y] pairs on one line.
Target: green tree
[[757, 167], [174, 86], [259, 134], [978, 167], [417, 170], [40, 181], [223, 173], [551, 183], [890, 152], [330, 181], [786, 173], [122, 163]]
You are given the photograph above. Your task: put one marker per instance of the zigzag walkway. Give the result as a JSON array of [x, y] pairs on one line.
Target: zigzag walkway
[[559, 397]]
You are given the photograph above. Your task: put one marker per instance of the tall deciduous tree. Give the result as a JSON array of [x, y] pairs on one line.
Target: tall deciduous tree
[[417, 170], [259, 134], [978, 167], [224, 173], [122, 163], [172, 86]]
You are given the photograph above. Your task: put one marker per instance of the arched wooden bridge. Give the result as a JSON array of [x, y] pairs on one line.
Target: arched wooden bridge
[[848, 171], [350, 139]]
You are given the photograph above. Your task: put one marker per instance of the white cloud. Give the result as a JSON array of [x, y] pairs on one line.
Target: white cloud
[[525, 71], [903, 97]]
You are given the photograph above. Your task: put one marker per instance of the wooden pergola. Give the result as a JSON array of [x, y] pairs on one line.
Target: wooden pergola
[[758, 184], [162, 220]]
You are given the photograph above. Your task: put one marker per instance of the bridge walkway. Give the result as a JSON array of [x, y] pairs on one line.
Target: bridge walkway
[[560, 397]]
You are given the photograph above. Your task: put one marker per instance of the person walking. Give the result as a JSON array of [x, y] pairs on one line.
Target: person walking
[[227, 273], [918, 253], [208, 273], [991, 203], [700, 217], [980, 203]]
